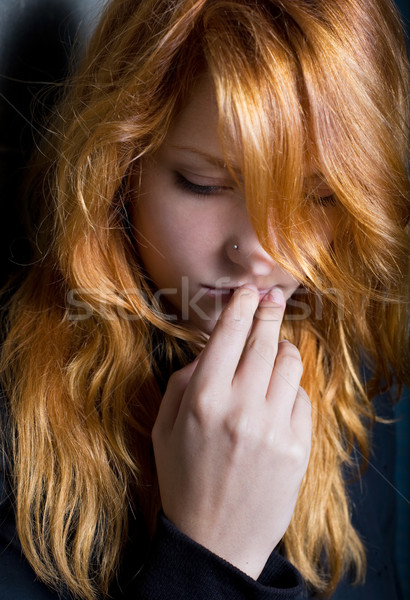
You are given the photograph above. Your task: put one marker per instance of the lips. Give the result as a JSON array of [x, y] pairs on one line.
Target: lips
[[225, 294], [219, 291], [221, 296]]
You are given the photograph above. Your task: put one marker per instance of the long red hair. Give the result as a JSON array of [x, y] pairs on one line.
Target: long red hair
[[302, 87]]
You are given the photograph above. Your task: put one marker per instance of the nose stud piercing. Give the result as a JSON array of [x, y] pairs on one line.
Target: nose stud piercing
[[236, 247]]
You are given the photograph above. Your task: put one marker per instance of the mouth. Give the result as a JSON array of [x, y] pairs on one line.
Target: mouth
[[225, 294], [222, 293]]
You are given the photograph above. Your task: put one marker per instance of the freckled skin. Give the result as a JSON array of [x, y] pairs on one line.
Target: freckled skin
[[181, 234]]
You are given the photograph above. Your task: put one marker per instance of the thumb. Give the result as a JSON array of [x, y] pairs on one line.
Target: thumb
[[168, 411]]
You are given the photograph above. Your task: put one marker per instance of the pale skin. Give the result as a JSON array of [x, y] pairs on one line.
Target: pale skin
[[233, 433], [232, 437]]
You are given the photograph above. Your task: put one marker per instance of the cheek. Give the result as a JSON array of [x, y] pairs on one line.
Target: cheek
[[325, 223], [152, 227], [171, 233], [171, 241], [175, 223]]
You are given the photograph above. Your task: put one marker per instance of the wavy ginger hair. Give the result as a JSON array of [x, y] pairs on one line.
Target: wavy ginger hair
[[307, 91]]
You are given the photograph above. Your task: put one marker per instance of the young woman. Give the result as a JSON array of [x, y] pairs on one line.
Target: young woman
[[223, 200]]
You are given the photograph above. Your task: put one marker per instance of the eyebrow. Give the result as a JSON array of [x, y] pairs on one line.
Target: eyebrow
[[213, 160], [318, 184]]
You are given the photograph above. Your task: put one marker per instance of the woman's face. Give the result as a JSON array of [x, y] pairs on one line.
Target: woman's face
[[191, 225]]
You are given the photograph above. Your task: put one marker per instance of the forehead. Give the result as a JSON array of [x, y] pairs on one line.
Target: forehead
[[196, 125]]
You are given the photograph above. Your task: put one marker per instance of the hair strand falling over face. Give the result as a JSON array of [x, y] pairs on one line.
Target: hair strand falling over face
[[307, 92]]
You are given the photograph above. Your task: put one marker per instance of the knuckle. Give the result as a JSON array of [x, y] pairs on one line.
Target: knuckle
[[290, 366], [269, 313], [289, 361], [285, 347], [289, 449], [263, 346], [298, 455], [176, 379], [179, 379], [204, 409], [239, 429], [198, 411], [234, 322]]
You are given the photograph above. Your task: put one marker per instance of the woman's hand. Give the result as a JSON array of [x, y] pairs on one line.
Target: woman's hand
[[232, 437]]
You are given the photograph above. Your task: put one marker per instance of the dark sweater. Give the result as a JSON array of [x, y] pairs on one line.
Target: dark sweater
[[173, 567]]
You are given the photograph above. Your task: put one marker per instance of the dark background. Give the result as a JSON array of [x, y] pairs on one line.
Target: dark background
[[36, 37]]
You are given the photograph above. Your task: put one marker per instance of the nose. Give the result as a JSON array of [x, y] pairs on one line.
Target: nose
[[244, 249]]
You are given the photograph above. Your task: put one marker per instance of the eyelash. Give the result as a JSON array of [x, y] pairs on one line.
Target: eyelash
[[330, 200], [209, 190], [194, 188]]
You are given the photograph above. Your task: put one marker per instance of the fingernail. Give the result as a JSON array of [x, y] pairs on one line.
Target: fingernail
[[274, 296], [249, 286]]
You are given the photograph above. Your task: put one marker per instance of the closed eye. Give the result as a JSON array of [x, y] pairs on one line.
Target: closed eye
[[329, 200], [319, 191], [198, 190]]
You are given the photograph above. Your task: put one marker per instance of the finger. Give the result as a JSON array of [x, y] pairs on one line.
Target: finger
[[301, 417], [258, 358], [171, 402], [285, 379], [221, 355]]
